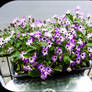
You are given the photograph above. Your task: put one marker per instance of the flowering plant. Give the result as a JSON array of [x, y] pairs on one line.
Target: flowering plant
[[41, 48]]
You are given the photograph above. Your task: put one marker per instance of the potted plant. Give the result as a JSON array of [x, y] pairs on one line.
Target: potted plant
[[41, 48]]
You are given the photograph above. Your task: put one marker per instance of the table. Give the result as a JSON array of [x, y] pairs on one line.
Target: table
[[75, 82]]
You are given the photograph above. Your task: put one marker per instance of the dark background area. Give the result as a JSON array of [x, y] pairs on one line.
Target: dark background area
[[2, 2]]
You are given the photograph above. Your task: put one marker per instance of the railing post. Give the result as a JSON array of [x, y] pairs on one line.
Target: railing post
[[9, 67]]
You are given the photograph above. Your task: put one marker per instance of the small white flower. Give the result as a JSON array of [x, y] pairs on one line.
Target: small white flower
[[90, 49], [68, 12], [29, 16], [29, 42], [80, 41], [48, 34], [78, 7], [48, 20], [89, 35], [1, 41], [44, 29], [21, 55], [32, 25], [23, 34], [67, 22], [55, 16], [63, 30], [39, 24], [69, 69], [7, 39]]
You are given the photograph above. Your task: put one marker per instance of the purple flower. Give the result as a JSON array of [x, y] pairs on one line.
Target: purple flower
[[57, 34], [23, 34], [59, 51], [26, 60], [83, 55], [77, 53], [78, 48], [69, 47], [17, 35], [54, 58], [78, 60], [61, 38], [76, 26], [37, 34], [77, 9], [58, 42], [48, 69], [43, 75], [72, 63], [45, 51], [19, 23], [72, 41], [82, 45], [44, 39], [27, 68], [39, 23], [49, 44], [23, 25], [53, 38], [32, 59], [41, 67], [57, 28], [30, 41], [90, 55], [61, 58]]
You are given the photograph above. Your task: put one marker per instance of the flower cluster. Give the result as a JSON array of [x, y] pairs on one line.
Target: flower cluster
[[55, 44]]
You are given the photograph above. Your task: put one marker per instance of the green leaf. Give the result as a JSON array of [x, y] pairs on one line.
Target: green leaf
[[15, 53], [89, 29], [27, 55], [18, 67], [33, 47], [89, 44], [70, 17], [34, 73], [89, 41], [79, 34], [73, 56], [67, 59], [58, 68], [43, 44]]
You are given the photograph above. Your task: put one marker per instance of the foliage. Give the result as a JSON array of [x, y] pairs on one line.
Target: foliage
[[42, 47]]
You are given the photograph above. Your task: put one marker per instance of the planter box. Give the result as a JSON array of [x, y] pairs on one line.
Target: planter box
[[55, 75]]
